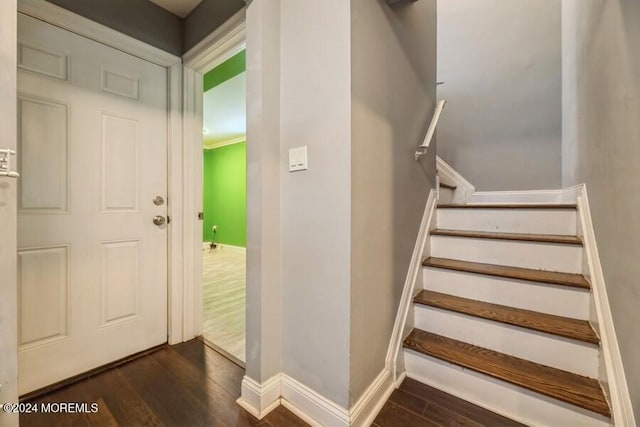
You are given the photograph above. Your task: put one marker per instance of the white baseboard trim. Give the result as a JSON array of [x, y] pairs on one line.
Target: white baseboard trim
[[412, 282], [401, 378], [619, 398], [449, 175], [562, 195], [260, 399], [312, 407], [372, 400], [223, 246]]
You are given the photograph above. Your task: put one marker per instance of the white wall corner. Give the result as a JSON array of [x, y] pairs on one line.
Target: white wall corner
[[412, 282], [619, 398], [448, 175], [260, 399]]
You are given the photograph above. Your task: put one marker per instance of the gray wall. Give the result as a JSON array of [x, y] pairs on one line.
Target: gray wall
[[315, 110], [140, 19], [335, 261], [393, 53], [8, 227], [264, 284], [152, 24], [500, 61], [206, 17], [601, 147]]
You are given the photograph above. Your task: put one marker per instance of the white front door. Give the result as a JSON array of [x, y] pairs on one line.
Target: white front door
[[92, 146]]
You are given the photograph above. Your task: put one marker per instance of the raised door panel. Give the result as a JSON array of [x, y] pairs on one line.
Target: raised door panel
[[120, 181], [43, 145], [43, 280], [120, 281], [43, 60], [119, 84]]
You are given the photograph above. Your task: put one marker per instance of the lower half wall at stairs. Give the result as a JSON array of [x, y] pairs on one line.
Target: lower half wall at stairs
[[225, 194]]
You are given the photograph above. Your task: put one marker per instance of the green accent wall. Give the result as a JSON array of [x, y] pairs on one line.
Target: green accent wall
[[225, 71], [225, 194]]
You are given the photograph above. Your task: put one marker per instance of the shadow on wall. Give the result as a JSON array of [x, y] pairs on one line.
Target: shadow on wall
[[393, 68]]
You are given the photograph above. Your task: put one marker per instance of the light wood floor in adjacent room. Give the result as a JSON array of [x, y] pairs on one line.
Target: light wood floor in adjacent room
[[224, 300]]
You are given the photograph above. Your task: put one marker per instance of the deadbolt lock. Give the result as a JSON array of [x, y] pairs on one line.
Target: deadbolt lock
[[158, 201]]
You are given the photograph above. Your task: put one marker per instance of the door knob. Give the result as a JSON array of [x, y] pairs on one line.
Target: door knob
[[159, 220]]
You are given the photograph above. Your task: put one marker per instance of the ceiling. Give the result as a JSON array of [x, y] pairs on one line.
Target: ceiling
[[225, 113], [178, 7]]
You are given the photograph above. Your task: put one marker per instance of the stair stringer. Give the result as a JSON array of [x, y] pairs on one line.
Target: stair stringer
[[612, 374], [404, 321]]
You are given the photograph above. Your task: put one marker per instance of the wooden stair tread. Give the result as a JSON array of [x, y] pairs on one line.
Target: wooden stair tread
[[562, 385], [449, 186], [509, 206], [540, 276], [566, 327], [539, 238]]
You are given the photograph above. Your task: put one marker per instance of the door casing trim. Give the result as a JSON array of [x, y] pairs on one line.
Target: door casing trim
[[217, 47]]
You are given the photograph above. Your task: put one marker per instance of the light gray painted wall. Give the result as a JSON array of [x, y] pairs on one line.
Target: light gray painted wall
[[500, 61], [315, 111], [601, 147], [140, 19], [206, 17], [264, 295], [8, 226], [393, 52]]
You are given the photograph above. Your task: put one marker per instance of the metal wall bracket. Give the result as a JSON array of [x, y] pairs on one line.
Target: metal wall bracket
[[5, 163]]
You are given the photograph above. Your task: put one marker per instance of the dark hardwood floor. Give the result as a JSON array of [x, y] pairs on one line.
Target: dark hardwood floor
[[183, 385], [417, 405], [190, 384]]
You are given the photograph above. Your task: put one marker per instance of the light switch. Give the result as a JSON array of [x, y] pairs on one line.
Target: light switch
[[298, 159]]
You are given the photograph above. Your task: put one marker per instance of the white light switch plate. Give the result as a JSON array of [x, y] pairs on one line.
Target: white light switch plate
[[298, 159]]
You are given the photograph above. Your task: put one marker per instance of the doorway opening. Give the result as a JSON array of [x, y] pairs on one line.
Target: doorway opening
[[224, 230]]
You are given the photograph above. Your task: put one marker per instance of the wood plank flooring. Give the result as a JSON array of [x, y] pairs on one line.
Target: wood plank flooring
[[224, 300], [566, 327], [562, 385], [190, 384], [184, 385], [417, 404]]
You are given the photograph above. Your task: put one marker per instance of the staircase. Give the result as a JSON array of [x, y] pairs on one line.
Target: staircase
[[503, 319]]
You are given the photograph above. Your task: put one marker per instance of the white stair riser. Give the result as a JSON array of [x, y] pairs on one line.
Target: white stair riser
[[511, 401], [540, 297], [533, 221], [541, 256], [557, 352], [445, 195]]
